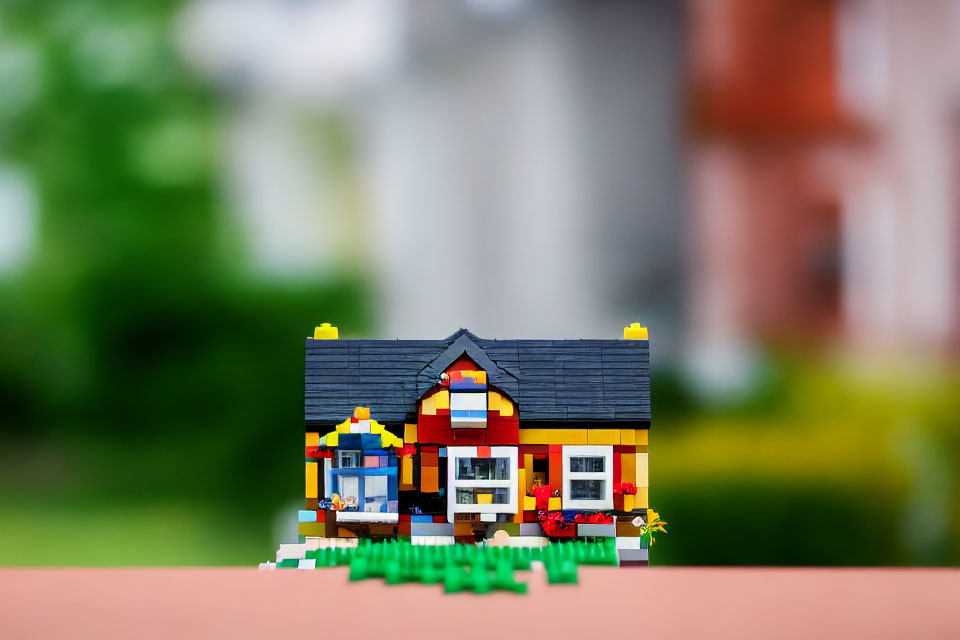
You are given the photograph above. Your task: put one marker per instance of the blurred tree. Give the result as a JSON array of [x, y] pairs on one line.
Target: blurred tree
[[133, 342]]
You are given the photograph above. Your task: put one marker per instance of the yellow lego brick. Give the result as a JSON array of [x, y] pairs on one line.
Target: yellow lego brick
[[311, 480], [375, 427], [506, 407], [484, 498], [635, 332], [388, 440], [311, 529], [629, 502], [533, 436], [429, 479], [521, 480], [428, 406], [493, 401], [603, 436], [312, 439], [567, 436], [553, 504], [528, 469], [332, 439], [441, 399], [344, 427], [642, 501], [643, 436], [628, 436], [643, 478], [325, 332], [406, 470], [628, 467], [361, 413], [529, 503], [410, 433], [480, 377]]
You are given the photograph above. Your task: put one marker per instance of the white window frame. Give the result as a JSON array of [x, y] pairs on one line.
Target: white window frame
[[591, 451], [510, 484]]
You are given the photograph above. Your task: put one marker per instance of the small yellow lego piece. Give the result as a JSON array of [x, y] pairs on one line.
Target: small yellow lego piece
[[635, 332], [311, 491], [326, 332], [375, 427], [552, 505], [533, 436], [441, 399], [603, 436], [361, 413], [388, 440], [567, 436], [410, 433], [312, 439], [643, 470], [643, 436], [311, 529], [406, 470], [480, 377], [628, 467], [428, 406], [642, 498], [493, 401], [628, 436], [332, 439], [529, 503], [484, 498], [344, 427], [506, 407]]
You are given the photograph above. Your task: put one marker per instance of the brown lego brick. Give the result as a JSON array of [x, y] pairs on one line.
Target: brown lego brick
[[312, 504], [428, 459], [383, 529]]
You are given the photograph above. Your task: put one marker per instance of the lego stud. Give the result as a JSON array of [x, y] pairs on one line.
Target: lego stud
[[635, 332], [326, 332], [361, 413]]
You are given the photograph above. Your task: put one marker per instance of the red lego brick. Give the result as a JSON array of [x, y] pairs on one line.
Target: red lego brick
[[483, 451]]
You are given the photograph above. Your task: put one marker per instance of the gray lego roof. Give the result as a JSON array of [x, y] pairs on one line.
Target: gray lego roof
[[553, 382]]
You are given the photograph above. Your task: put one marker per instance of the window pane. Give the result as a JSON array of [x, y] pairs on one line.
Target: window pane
[[349, 490], [586, 489], [351, 459], [375, 494], [587, 464], [491, 496], [483, 468]]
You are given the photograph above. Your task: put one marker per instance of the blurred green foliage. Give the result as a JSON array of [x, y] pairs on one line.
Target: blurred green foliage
[[142, 364]]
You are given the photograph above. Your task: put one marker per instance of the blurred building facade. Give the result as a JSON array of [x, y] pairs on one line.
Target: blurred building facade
[[516, 155], [823, 173]]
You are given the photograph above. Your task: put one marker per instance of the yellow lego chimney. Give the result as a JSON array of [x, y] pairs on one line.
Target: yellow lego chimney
[[635, 332], [325, 332]]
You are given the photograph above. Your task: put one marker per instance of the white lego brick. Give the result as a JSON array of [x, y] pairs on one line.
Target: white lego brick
[[432, 541], [502, 452], [291, 551], [633, 554], [307, 563], [488, 517], [431, 529], [362, 426], [531, 529], [368, 516], [527, 541], [629, 543], [604, 530]]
